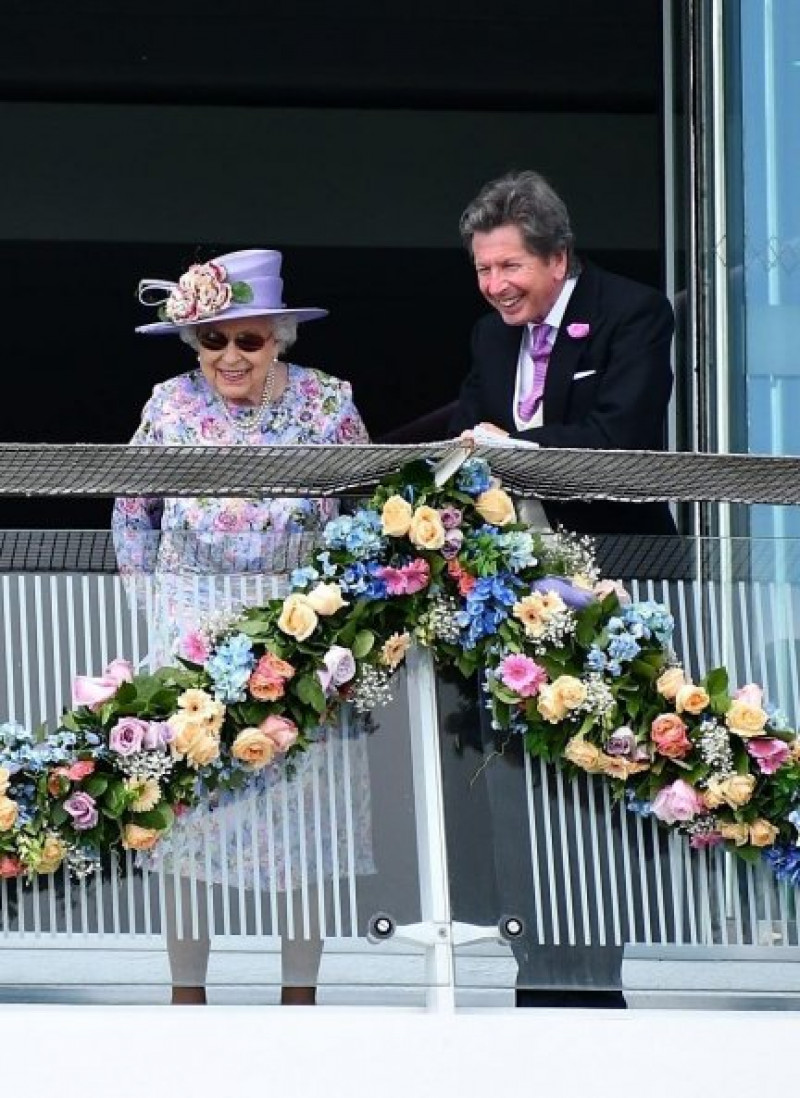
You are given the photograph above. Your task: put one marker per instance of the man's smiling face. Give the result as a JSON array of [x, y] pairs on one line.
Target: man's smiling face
[[521, 285]]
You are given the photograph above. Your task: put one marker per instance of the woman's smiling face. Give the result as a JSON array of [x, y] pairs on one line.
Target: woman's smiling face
[[235, 356]]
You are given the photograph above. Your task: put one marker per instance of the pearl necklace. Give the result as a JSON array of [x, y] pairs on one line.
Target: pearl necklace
[[250, 422]]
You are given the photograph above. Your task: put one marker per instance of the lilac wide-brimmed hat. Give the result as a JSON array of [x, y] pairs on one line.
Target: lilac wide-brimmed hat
[[235, 285]]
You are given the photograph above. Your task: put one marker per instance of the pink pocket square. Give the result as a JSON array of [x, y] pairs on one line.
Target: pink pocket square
[[578, 330]]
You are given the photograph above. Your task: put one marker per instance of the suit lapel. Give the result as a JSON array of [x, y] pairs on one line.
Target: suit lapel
[[565, 358]]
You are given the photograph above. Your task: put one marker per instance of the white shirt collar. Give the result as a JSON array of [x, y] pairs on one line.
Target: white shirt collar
[[556, 314]]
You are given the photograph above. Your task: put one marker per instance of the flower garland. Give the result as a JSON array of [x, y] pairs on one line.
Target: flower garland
[[567, 661]]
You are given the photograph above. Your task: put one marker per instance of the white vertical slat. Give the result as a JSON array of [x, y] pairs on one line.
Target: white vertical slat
[[287, 858], [271, 862], [116, 921], [718, 859], [699, 627], [42, 656], [241, 889], [222, 839], [643, 882], [11, 699], [580, 859], [24, 648], [622, 816], [761, 592], [597, 876], [60, 699], [658, 870], [102, 619], [612, 865], [346, 731], [305, 910], [544, 773], [255, 857], [534, 848], [566, 866], [318, 850], [333, 823], [691, 907]]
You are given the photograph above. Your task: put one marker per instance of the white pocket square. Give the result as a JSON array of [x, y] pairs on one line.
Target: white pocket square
[[583, 373]]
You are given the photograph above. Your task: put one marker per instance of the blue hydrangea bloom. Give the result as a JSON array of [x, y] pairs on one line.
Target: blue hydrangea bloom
[[785, 863], [230, 667], [473, 477]]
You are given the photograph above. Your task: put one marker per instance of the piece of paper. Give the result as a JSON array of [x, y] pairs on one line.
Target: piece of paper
[[489, 438]]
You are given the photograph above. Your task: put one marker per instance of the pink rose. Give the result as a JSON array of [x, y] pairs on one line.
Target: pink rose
[[603, 588], [578, 330], [668, 733], [194, 646], [80, 770], [94, 691], [705, 840], [10, 867], [751, 693], [679, 801], [280, 731], [769, 754]]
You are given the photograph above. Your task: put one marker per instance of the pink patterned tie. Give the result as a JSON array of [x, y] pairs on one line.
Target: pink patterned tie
[[539, 350]]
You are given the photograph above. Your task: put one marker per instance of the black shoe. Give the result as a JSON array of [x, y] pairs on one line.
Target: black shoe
[[553, 997]]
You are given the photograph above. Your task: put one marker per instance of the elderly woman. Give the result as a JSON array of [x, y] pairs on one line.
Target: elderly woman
[[211, 555]]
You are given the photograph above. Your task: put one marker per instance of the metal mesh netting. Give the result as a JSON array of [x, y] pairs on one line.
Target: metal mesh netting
[[622, 475]]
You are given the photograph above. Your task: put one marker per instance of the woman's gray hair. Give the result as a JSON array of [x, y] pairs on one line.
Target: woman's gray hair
[[527, 200], [284, 328]]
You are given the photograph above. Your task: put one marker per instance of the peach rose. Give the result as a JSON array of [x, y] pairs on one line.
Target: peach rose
[[668, 733], [585, 755], [8, 813], [5, 780], [135, 837], [734, 791], [746, 720], [254, 748], [298, 617], [616, 766], [550, 705], [396, 517], [691, 699], [762, 833], [570, 690], [669, 682], [51, 856], [738, 833], [201, 749], [326, 599], [496, 507], [426, 529]]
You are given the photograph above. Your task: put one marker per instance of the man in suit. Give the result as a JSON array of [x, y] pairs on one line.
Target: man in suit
[[572, 356]]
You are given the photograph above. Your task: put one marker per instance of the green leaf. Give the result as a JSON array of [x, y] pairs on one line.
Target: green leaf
[[309, 691], [96, 785], [716, 681], [242, 293], [58, 815], [161, 817], [362, 644]]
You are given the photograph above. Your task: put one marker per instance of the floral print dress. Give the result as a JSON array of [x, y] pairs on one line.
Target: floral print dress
[[189, 558]]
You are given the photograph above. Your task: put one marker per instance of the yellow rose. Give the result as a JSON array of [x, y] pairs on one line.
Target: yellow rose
[[135, 837], [8, 813], [615, 766], [298, 617], [326, 599], [185, 726], [5, 779], [735, 791], [669, 682], [52, 855], [738, 833], [570, 691], [396, 517], [394, 649], [746, 720], [585, 755], [254, 748], [496, 507], [762, 833], [691, 699], [550, 705], [794, 750], [426, 529]]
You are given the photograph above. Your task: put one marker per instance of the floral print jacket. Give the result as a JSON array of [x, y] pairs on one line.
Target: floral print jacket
[[209, 534]]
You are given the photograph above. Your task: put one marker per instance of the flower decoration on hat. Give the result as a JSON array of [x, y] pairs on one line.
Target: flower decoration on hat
[[200, 293]]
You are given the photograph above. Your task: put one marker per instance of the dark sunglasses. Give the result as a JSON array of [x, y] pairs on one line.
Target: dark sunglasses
[[214, 340]]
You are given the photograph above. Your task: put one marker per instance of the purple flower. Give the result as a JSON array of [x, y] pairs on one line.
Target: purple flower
[[83, 810], [578, 330], [577, 598], [621, 742], [450, 516], [157, 734], [452, 544], [127, 735]]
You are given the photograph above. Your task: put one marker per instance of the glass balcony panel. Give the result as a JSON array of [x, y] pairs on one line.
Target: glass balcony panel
[[307, 879], [555, 887]]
